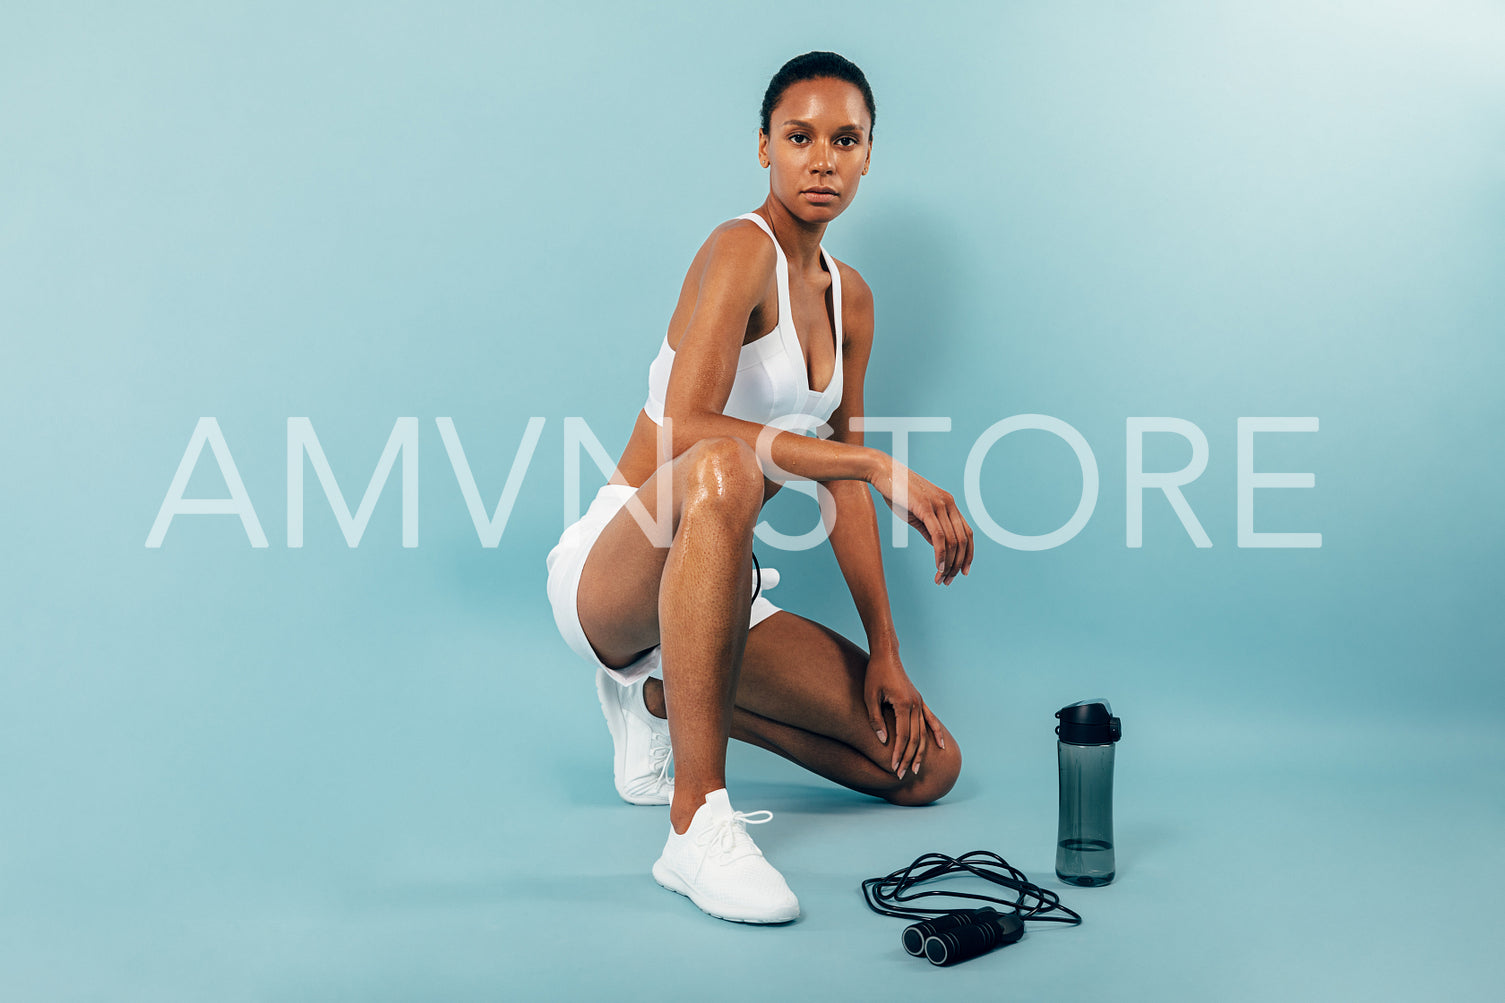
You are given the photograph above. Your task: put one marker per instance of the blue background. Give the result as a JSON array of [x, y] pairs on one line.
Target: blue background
[[376, 773]]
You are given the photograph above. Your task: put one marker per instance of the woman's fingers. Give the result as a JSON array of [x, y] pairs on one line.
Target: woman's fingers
[[947, 539], [919, 755], [916, 728], [935, 725], [940, 539], [944, 544], [901, 737], [948, 562], [874, 703], [963, 535], [958, 539], [923, 518]]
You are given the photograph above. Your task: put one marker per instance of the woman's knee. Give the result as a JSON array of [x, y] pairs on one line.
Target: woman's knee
[[723, 473], [939, 771]]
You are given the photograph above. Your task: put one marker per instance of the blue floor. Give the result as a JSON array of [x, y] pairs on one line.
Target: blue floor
[[450, 832]]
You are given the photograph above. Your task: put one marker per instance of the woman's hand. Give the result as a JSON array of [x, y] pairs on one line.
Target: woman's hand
[[931, 511], [914, 724]]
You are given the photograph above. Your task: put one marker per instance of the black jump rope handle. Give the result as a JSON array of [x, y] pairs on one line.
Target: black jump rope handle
[[950, 947], [915, 936]]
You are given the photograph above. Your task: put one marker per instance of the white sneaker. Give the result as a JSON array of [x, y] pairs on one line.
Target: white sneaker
[[722, 871], [643, 754]]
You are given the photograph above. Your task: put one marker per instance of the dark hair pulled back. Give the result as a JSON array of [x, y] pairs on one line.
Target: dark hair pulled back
[[814, 66]]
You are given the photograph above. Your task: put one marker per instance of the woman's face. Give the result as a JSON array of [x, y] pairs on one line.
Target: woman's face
[[817, 147]]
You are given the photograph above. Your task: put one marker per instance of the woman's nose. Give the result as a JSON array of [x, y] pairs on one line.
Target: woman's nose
[[821, 161]]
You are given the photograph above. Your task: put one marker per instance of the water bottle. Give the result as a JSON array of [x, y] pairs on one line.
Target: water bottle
[[1084, 839]]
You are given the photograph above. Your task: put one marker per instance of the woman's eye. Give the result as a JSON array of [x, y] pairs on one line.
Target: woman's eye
[[798, 137]]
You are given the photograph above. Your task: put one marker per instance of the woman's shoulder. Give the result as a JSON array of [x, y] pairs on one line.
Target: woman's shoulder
[[856, 304], [737, 250], [855, 292], [741, 237]]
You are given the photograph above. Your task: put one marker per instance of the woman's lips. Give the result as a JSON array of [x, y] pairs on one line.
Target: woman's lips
[[819, 197]]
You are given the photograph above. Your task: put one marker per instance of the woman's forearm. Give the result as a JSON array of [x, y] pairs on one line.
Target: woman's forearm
[[855, 541], [795, 454]]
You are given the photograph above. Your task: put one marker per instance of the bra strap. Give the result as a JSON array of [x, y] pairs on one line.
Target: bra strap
[[835, 307], [781, 278]]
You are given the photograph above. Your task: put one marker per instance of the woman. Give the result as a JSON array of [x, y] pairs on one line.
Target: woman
[[768, 325]]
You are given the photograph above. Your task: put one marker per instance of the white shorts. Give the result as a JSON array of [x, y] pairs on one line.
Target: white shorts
[[567, 560]]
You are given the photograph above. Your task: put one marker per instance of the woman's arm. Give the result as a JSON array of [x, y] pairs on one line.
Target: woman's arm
[[735, 278], [854, 535], [855, 541]]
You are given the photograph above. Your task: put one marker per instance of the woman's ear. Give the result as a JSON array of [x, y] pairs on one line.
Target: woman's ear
[[762, 148]]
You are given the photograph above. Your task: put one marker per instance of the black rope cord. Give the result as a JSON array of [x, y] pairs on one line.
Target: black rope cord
[[758, 574], [889, 894]]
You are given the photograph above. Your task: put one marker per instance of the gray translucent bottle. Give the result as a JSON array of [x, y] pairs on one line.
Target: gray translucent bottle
[[1084, 839]]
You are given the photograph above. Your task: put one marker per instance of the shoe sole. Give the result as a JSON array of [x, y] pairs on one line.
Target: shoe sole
[[608, 692], [666, 877]]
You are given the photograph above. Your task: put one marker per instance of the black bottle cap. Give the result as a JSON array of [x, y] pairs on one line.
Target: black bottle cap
[[1089, 722]]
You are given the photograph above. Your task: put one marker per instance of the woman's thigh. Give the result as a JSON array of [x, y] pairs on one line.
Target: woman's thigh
[[803, 673], [617, 599]]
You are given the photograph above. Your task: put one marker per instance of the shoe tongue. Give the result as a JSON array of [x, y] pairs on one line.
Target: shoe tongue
[[718, 803]]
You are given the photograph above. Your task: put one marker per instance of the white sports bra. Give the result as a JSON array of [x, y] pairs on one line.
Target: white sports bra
[[771, 379]]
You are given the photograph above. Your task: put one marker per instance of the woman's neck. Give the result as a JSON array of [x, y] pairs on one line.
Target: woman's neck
[[800, 240]]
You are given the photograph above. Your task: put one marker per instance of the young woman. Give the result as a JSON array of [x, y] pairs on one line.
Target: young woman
[[767, 326]]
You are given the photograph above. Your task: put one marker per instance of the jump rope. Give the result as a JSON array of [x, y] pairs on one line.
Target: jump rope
[[950, 936]]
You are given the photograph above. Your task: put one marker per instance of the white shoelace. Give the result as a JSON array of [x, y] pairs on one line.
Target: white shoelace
[[659, 752], [728, 835], [656, 780]]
